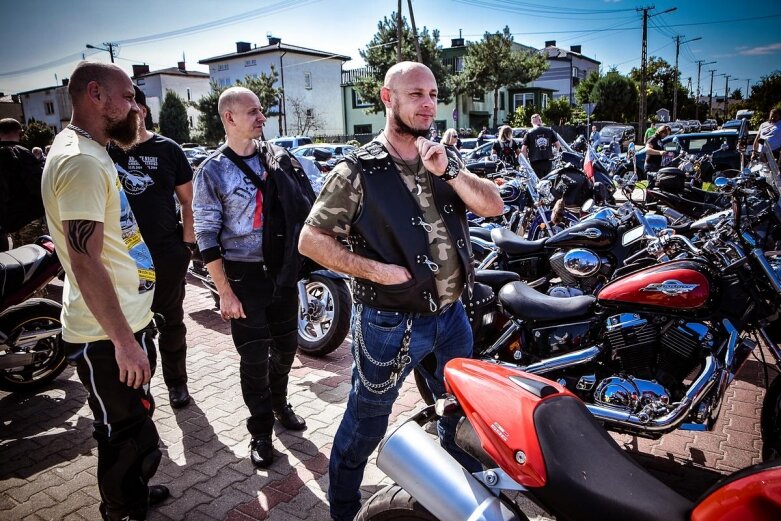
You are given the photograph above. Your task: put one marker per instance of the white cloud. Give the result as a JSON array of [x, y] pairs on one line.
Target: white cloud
[[762, 50]]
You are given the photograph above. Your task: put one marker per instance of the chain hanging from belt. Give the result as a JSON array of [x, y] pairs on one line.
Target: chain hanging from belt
[[398, 363]]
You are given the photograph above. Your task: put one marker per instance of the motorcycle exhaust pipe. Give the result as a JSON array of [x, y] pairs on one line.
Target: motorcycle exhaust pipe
[[414, 460], [574, 358], [303, 297], [698, 390]]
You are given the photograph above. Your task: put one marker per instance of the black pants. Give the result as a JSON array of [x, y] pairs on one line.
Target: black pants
[[266, 341], [171, 270], [128, 455], [542, 167]]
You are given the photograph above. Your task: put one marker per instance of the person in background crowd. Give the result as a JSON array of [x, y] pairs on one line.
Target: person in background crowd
[[654, 150], [435, 135], [481, 136], [594, 138], [38, 153], [417, 179], [770, 133], [615, 146], [538, 146], [451, 141], [251, 200], [20, 184], [152, 173], [505, 148], [649, 133], [107, 327]]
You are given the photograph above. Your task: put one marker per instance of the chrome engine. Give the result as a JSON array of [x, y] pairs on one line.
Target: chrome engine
[[581, 268], [651, 357]]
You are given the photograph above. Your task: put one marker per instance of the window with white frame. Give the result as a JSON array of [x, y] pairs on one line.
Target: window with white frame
[[544, 101], [222, 67], [48, 107], [250, 63], [575, 72], [358, 102], [523, 99], [224, 82], [459, 64], [307, 80]]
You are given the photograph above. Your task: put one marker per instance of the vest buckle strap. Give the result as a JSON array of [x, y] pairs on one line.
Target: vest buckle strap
[[433, 306], [423, 259], [418, 221]]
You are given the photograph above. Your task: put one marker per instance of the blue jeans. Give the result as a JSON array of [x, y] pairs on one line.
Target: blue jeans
[[447, 335]]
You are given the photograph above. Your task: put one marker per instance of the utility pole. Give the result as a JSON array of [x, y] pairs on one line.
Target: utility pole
[[700, 63], [710, 95], [748, 81], [726, 95], [398, 34], [678, 43], [109, 48], [414, 31], [644, 65]]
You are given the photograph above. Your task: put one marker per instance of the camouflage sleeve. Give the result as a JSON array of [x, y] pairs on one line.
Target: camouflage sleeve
[[339, 201]]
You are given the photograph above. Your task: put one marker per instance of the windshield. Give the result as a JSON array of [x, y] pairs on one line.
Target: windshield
[[611, 131]]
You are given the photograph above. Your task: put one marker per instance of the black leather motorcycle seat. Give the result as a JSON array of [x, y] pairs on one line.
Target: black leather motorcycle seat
[[512, 244], [670, 170], [18, 265], [496, 278], [529, 304], [480, 232], [705, 196], [589, 476]]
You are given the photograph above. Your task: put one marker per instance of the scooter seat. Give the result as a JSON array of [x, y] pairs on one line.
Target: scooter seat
[[18, 265], [588, 473], [496, 278], [512, 244], [527, 303]]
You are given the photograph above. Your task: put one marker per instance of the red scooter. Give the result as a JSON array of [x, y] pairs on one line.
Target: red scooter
[[540, 440], [31, 354]]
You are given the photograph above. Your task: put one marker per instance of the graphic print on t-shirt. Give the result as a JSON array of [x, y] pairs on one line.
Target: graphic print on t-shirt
[[541, 142], [136, 247], [134, 180]]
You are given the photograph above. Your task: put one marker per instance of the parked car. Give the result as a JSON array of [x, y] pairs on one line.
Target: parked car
[[733, 124], [694, 125], [291, 141], [325, 155], [195, 156], [709, 124], [625, 133], [467, 145], [520, 132], [675, 126], [699, 143]]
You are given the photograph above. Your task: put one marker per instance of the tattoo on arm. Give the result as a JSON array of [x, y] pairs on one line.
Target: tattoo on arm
[[79, 233]]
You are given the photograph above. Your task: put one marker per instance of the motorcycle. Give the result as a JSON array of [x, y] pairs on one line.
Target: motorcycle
[[656, 349], [325, 307], [539, 440], [31, 354]]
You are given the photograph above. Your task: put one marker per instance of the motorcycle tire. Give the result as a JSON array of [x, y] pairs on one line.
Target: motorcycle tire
[[330, 329], [393, 503], [34, 314], [770, 422]]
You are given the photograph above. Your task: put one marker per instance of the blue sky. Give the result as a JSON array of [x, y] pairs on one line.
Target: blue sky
[[46, 37]]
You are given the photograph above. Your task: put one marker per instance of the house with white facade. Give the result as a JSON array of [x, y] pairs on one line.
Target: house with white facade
[[567, 68], [50, 105], [189, 85], [309, 78]]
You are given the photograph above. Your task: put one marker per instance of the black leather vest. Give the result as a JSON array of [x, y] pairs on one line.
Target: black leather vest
[[388, 230]]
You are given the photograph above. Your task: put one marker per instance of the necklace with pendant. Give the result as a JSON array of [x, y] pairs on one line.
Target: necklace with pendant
[[80, 131], [415, 174]]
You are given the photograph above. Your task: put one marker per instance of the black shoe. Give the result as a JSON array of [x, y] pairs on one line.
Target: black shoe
[[261, 451], [158, 494], [178, 396], [289, 419]]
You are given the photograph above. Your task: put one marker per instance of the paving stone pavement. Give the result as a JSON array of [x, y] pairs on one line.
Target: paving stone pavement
[[48, 457]]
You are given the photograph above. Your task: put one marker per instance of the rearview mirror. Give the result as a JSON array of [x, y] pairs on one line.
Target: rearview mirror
[[721, 182], [587, 206], [631, 147]]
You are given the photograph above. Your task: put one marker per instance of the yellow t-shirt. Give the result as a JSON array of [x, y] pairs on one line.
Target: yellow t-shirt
[[80, 182]]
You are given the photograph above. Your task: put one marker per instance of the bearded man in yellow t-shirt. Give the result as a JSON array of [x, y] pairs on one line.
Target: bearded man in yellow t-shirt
[[107, 319]]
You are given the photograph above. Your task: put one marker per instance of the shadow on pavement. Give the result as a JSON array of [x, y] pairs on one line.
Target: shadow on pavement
[[210, 319]]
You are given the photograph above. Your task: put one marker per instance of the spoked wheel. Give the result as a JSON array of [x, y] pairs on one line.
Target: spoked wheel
[[324, 326], [46, 355]]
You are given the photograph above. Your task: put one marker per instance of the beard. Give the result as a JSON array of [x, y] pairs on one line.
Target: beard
[[404, 129], [123, 132]]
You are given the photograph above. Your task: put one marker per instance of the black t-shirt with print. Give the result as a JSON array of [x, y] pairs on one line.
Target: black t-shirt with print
[[539, 143], [506, 151], [653, 162], [149, 173]]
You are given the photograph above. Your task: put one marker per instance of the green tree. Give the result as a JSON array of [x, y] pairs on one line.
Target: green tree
[[209, 123], [616, 97], [173, 118], [558, 111], [493, 63], [584, 88], [736, 94], [766, 94], [660, 85], [522, 116], [380, 55], [37, 134]]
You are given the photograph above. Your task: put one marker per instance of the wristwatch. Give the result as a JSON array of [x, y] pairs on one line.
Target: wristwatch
[[452, 170]]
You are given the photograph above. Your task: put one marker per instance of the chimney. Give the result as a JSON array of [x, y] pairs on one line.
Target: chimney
[[575, 48], [180, 66], [242, 47], [457, 42], [273, 40], [138, 70], [65, 82], [550, 43]]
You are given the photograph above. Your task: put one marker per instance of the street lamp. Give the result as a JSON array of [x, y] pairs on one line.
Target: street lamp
[[110, 49]]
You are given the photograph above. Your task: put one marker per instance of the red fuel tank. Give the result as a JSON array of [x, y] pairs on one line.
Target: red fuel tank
[[681, 285]]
